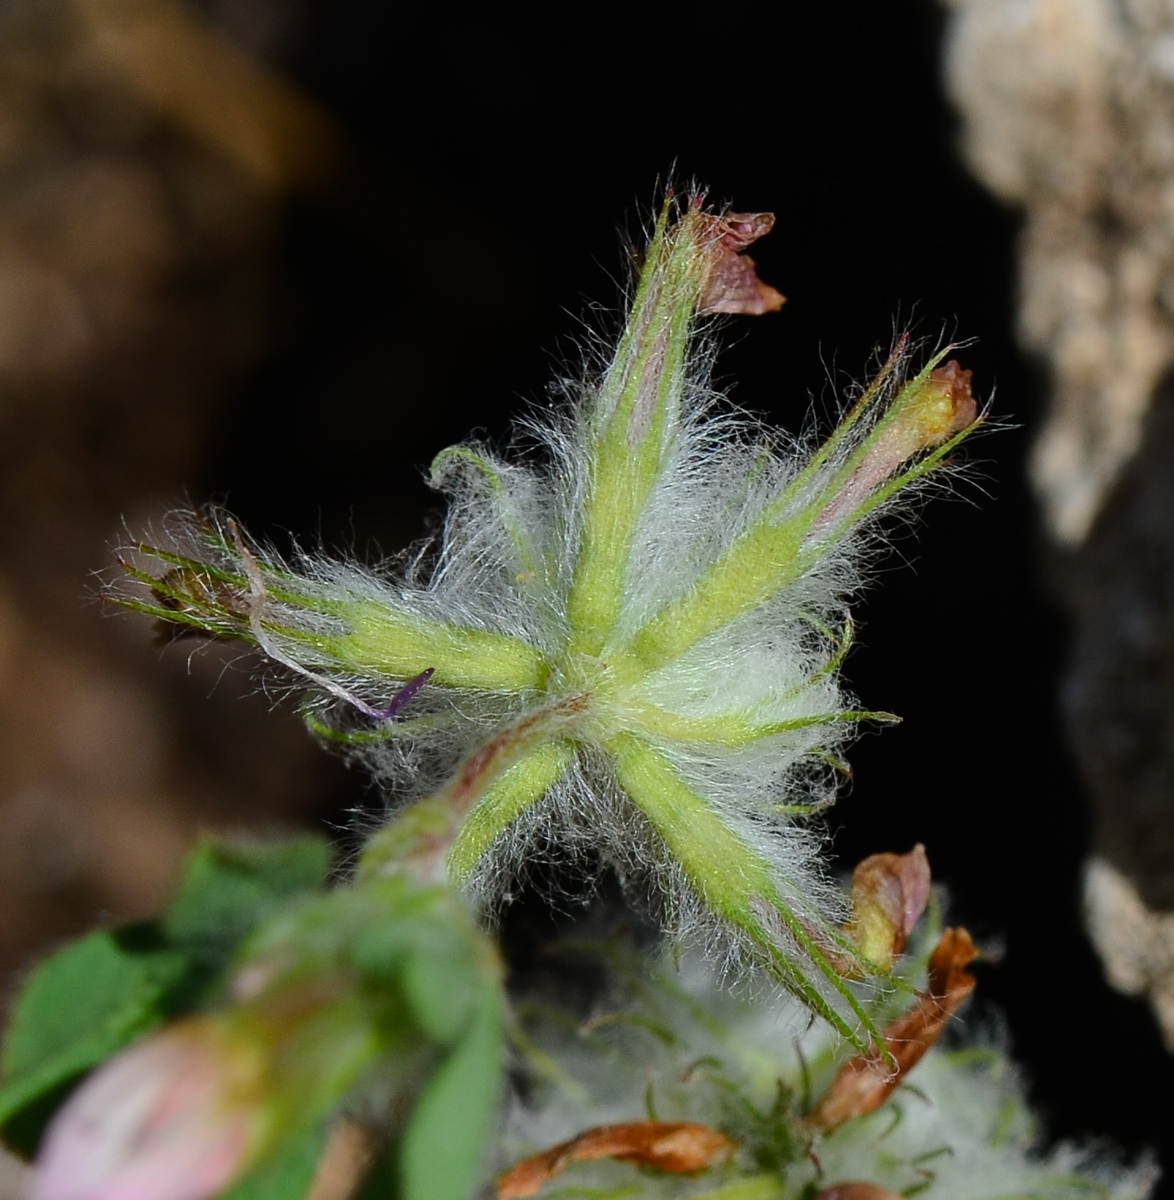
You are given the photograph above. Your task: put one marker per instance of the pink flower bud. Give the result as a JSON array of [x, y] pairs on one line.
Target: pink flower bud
[[172, 1118]]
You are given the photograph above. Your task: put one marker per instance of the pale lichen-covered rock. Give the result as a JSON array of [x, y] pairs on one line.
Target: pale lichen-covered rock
[[1068, 110], [1135, 943]]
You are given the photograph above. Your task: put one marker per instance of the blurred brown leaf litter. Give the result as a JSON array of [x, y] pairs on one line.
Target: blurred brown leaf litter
[[144, 162]]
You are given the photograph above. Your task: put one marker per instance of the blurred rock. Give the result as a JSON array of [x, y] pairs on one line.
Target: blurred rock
[[1069, 113], [1118, 688], [144, 161], [1135, 944], [1068, 110]]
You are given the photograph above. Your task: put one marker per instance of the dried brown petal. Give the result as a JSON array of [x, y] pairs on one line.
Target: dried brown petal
[[949, 980], [856, 1191], [889, 894], [189, 592], [676, 1146], [865, 1082], [740, 229], [731, 283]]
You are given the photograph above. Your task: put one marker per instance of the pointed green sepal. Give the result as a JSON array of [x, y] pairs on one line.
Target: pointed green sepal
[[507, 798], [732, 881], [633, 423]]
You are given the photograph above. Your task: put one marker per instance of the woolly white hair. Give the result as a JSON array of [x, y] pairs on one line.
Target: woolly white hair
[[673, 1046]]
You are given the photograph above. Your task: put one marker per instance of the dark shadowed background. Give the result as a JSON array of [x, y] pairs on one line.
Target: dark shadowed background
[[430, 279]]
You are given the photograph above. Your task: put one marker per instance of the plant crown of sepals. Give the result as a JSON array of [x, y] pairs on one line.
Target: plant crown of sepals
[[631, 649]]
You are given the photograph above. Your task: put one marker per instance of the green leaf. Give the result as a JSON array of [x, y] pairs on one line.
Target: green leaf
[[385, 644], [443, 1146], [77, 1008], [440, 983], [429, 953], [228, 888], [284, 1175]]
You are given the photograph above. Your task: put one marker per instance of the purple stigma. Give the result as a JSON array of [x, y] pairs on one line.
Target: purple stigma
[[401, 697]]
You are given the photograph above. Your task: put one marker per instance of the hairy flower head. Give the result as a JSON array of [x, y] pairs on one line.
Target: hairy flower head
[[628, 643]]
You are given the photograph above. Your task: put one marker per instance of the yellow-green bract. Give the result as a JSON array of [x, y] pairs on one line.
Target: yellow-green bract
[[633, 635]]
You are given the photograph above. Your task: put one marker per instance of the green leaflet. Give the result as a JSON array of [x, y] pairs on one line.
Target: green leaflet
[[382, 642], [362, 635]]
